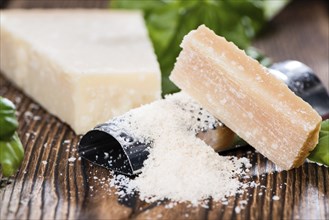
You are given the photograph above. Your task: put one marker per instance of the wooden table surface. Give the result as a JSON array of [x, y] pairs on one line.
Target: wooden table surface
[[49, 186]]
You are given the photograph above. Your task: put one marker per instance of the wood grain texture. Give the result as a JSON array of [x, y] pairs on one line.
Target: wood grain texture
[[48, 186], [300, 32]]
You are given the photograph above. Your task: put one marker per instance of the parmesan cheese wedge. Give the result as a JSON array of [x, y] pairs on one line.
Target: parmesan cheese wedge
[[246, 98], [84, 66]]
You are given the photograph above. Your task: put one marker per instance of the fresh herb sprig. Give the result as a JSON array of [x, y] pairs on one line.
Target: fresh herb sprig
[[11, 149], [168, 21]]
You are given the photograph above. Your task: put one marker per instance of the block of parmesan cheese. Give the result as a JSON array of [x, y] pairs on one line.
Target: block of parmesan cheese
[[84, 66], [246, 98]]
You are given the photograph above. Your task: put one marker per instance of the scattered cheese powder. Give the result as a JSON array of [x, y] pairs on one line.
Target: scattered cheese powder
[[180, 166]]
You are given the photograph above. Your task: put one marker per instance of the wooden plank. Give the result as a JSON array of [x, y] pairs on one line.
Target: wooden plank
[[300, 32], [59, 189]]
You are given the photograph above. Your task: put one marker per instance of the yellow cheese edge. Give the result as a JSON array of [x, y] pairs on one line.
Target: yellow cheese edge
[[310, 143]]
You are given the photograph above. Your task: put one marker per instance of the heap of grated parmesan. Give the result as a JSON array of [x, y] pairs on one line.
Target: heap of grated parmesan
[[180, 166]]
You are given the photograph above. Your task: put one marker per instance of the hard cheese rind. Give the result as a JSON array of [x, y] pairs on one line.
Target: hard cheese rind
[[246, 98], [84, 66]]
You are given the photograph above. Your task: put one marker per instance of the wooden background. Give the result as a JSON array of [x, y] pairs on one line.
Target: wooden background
[[49, 186]]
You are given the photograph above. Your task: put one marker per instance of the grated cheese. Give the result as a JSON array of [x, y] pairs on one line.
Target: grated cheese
[[180, 166]]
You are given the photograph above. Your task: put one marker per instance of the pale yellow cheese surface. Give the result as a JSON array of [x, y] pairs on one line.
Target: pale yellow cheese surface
[[246, 98], [84, 66]]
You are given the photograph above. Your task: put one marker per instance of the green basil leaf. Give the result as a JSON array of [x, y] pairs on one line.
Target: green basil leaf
[[321, 152], [11, 155], [11, 149], [8, 121], [168, 21]]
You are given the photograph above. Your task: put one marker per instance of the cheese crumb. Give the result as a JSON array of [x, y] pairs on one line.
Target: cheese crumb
[[72, 159], [237, 209], [276, 198]]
